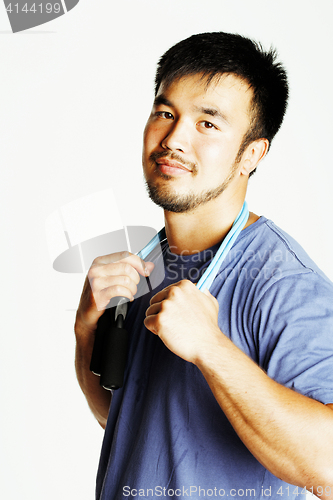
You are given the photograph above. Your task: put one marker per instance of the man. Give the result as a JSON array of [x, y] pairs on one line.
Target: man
[[227, 392]]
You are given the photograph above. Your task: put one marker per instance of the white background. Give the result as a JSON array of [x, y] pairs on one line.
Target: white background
[[75, 94]]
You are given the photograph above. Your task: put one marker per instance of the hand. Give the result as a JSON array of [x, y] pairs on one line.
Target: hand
[[114, 275], [184, 318]]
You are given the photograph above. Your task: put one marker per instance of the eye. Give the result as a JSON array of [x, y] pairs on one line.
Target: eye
[[164, 114], [207, 125]]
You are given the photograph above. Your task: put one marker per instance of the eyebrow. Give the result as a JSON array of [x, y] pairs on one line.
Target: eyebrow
[[215, 112], [161, 99]]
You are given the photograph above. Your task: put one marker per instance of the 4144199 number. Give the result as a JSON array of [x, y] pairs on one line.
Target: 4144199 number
[[35, 8], [288, 490]]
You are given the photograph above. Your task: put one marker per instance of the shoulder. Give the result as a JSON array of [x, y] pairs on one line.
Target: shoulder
[[266, 245], [265, 258]]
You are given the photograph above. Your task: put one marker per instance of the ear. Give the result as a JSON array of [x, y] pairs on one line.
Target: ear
[[253, 154]]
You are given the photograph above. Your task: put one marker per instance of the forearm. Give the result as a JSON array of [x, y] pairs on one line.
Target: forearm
[[98, 398], [290, 434]]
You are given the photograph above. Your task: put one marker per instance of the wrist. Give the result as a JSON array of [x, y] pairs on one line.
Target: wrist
[[213, 350]]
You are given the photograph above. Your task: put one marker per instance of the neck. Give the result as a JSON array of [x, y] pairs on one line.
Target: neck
[[204, 227]]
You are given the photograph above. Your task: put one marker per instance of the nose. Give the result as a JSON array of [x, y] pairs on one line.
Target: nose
[[177, 138]]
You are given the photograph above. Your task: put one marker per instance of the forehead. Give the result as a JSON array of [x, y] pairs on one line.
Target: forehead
[[226, 92]]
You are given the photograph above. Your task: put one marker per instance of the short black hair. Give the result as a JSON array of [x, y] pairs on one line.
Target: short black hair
[[217, 53]]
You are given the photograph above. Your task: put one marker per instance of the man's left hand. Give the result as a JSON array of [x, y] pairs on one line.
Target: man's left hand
[[184, 318]]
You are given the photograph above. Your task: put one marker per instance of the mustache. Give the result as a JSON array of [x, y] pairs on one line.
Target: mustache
[[174, 156]]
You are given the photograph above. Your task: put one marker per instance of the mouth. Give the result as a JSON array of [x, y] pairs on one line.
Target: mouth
[[171, 167]]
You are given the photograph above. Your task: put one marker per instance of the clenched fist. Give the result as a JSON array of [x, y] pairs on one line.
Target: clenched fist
[[184, 318]]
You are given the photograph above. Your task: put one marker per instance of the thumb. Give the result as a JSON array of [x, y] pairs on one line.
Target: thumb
[[149, 266], [212, 298]]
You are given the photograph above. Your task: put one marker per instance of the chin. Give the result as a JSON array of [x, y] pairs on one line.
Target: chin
[[174, 202]]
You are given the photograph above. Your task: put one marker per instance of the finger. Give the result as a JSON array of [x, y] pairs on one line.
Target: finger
[[103, 297], [153, 309], [121, 268], [150, 324], [142, 267], [208, 294], [160, 296], [165, 293], [103, 277], [106, 282], [110, 258], [213, 299]]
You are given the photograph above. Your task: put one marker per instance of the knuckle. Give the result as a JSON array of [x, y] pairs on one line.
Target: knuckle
[[174, 291], [127, 268], [165, 306], [91, 273], [159, 321], [127, 280], [92, 283], [118, 289], [118, 256], [185, 284], [136, 278], [101, 301], [96, 261], [124, 254]]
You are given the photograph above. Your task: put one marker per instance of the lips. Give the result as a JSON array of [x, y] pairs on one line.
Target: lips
[[171, 166]]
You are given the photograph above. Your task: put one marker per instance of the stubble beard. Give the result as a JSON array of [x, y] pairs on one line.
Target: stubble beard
[[182, 203]]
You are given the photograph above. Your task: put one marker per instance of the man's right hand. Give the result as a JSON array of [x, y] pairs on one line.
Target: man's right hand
[[114, 275]]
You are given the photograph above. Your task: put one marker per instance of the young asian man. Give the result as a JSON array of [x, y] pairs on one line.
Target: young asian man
[[227, 391]]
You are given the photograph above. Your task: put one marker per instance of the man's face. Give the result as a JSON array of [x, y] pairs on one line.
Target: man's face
[[192, 138]]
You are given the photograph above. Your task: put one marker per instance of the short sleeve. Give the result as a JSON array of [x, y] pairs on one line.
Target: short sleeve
[[293, 326]]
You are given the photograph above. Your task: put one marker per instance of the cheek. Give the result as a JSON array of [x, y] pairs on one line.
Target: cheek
[[151, 142], [145, 136], [152, 136], [217, 153], [209, 153]]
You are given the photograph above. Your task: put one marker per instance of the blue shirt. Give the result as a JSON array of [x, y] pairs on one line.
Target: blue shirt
[[166, 435]]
